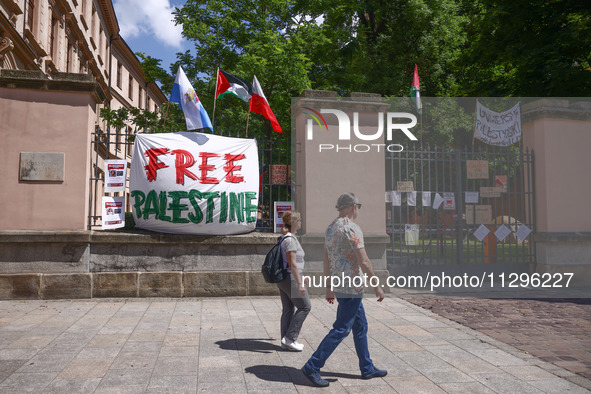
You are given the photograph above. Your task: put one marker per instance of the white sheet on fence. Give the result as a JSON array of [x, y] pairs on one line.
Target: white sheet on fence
[[194, 183]]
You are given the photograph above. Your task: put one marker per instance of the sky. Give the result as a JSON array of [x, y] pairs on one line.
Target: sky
[[147, 26]]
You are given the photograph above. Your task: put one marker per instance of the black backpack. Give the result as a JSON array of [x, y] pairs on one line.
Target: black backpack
[[272, 269]]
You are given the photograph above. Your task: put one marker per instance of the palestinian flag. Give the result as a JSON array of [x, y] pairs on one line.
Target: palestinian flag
[[415, 90], [231, 84], [260, 105]]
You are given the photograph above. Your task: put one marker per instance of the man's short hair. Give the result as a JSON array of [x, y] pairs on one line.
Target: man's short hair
[[345, 201]]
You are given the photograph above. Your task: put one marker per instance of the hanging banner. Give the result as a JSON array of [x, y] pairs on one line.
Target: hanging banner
[[115, 171], [498, 128], [194, 183], [113, 212]]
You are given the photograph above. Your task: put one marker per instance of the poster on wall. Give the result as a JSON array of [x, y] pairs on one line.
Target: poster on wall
[[113, 211], [115, 171], [194, 183], [279, 208]]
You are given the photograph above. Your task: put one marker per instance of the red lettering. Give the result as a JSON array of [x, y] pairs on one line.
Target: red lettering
[[184, 159], [154, 165], [230, 167], [204, 167]]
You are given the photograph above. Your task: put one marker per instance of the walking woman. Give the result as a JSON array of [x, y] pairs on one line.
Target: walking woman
[[292, 289]]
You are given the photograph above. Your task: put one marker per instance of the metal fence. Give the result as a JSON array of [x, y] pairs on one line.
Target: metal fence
[[425, 234], [117, 143]]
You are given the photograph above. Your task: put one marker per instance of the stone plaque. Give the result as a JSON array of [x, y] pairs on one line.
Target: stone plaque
[[42, 166]]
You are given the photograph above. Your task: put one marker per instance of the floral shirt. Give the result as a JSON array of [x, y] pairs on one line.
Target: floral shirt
[[342, 238]]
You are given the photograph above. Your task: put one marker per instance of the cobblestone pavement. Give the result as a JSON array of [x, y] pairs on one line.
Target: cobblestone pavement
[[231, 345], [554, 330]]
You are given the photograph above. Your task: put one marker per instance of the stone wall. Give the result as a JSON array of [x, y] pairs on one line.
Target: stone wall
[[87, 264]]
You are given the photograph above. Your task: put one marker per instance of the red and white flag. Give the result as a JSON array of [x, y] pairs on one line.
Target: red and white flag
[[260, 105]]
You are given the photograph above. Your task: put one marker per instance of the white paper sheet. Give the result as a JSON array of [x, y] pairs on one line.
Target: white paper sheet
[[396, 199], [437, 201], [426, 199], [481, 232], [471, 198], [523, 232], [411, 199], [502, 232]]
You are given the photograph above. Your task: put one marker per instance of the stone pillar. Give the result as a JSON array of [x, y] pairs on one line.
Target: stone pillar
[[326, 167], [559, 132]]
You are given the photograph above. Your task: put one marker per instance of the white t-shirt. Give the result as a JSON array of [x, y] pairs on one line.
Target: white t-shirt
[[292, 244]]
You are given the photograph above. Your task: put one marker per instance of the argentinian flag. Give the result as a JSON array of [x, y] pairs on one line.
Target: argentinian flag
[[184, 95]]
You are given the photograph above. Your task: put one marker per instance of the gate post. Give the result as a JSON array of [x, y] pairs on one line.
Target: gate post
[[327, 166]]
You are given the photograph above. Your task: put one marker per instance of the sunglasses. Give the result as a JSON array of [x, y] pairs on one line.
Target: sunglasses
[[358, 205]]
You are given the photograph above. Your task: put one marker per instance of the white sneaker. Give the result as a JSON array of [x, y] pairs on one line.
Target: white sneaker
[[288, 344]]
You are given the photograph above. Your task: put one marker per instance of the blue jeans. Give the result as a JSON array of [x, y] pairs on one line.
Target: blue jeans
[[350, 316]]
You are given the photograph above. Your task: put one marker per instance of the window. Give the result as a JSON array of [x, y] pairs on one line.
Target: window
[[30, 13], [148, 103], [140, 94], [130, 88], [119, 75]]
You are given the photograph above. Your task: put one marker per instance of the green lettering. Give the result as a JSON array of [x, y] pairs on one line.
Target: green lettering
[[151, 206], [223, 207], [177, 207], [250, 208], [139, 198], [197, 217], [236, 207], [163, 201], [210, 205]]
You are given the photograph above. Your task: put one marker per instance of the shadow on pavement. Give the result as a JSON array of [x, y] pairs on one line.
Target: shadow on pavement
[[277, 373], [258, 345]]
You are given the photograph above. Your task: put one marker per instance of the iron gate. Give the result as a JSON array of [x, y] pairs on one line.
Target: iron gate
[[426, 237]]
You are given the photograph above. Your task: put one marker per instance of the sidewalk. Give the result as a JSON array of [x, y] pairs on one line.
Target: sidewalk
[[221, 345]]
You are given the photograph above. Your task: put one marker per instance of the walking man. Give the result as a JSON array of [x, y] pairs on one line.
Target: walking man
[[344, 257]]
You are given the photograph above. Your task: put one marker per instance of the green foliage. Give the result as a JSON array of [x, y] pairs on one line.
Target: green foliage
[[526, 49], [168, 119]]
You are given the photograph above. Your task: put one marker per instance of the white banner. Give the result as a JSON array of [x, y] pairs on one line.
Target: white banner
[[194, 183], [498, 128], [113, 210], [115, 173]]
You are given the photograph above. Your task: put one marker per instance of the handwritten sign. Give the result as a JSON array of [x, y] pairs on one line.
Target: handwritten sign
[[477, 169], [280, 174], [478, 214], [498, 128], [194, 183], [490, 192], [405, 186]]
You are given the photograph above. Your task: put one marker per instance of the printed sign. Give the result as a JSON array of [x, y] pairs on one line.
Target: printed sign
[[115, 172], [501, 182], [194, 183], [279, 208], [477, 169], [498, 128], [449, 201], [113, 212]]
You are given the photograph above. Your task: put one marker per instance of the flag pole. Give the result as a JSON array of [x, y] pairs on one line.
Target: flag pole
[[247, 120], [217, 74]]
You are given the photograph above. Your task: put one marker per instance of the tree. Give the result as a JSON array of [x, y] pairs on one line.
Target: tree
[[526, 48]]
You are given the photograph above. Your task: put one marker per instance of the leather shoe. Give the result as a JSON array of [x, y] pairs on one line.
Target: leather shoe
[[314, 377], [375, 373]]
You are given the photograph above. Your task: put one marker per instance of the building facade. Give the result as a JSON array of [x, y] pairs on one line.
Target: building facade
[[61, 61]]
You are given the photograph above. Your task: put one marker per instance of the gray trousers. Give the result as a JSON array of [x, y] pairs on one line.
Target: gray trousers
[[291, 323]]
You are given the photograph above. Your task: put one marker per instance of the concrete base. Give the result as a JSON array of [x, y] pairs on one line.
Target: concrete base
[[560, 253]]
